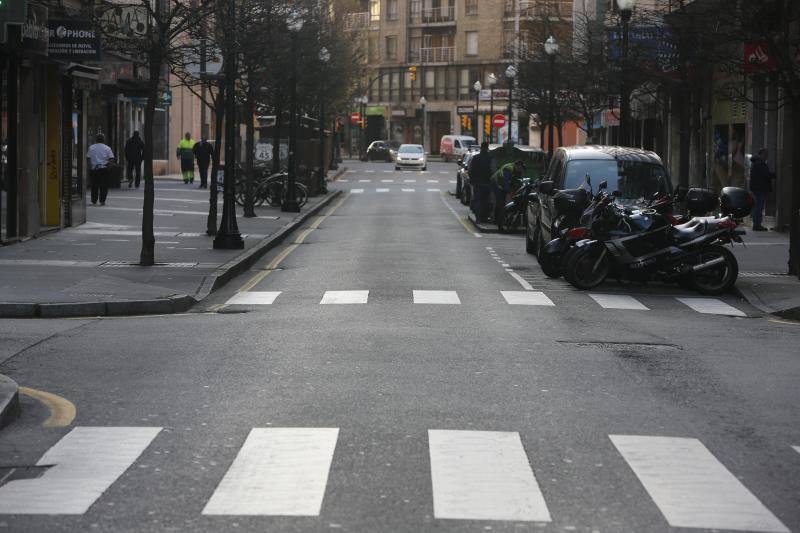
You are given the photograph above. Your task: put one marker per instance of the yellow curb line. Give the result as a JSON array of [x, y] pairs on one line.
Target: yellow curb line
[[62, 411]]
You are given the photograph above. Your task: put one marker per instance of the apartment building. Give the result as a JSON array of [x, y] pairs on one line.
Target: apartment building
[[439, 49]]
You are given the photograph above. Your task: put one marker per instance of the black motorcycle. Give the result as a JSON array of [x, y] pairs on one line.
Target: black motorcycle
[[645, 246], [514, 211]]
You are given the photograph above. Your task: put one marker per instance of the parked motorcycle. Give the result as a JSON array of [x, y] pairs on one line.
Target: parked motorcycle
[[645, 246], [514, 211]]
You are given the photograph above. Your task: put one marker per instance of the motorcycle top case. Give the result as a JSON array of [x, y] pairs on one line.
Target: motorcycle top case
[[571, 202], [736, 202], [701, 200]]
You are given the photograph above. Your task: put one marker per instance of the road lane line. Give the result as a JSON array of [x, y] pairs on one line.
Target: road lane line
[[525, 285], [409, 190], [691, 487], [344, 297], [85, 463], [436, 297], [618, 301], [483, 475], [711, 306], [381, 190], [253, 298], [62, 411], [434, 190], [527, 298], [356, 191], [277, 472], [796, 448]]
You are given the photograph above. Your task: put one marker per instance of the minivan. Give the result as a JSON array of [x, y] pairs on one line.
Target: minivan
[[453, 147]]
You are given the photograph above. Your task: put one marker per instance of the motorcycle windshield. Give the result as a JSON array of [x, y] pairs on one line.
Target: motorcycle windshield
[[635, 181]]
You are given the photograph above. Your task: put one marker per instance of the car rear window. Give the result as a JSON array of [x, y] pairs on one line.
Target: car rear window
[[633, 179]]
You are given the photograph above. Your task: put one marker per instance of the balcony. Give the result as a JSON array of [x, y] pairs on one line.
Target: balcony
[[437, 54], [538, 9], [444, 15], [360, 21]]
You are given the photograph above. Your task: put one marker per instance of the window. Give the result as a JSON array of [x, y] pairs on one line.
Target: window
[[374, 10], [414, 44], [471, 7], [472, 43], [391, 10], [464, 86], [391, 47]]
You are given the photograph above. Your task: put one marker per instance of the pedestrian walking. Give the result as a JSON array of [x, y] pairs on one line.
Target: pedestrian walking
[[480, 179], [186, 155], [100, 156], [760, 184], [203, 151], [134, 155], [503, 182]]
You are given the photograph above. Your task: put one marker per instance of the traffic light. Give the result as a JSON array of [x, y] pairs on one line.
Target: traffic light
[[487, 124], [411, 70], [464, 119]]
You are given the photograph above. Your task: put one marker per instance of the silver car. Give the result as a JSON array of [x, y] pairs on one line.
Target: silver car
[[411, 156]]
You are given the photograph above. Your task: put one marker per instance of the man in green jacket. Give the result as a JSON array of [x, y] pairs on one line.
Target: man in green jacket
[[504, 181], [186, 155]]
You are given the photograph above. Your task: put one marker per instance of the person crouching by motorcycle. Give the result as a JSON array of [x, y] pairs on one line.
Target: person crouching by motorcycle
[[480, 179], [503, 183]]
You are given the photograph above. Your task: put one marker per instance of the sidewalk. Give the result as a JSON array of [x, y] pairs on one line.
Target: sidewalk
[[93, 270]]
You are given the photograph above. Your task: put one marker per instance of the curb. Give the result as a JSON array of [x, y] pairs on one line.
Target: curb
[[9, 400], [174, 304], [791, 313]]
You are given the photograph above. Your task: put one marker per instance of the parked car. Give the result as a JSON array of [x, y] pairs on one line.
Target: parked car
[[455, 146], [632, 174], [411, 156], [462, 177], [382, 151]]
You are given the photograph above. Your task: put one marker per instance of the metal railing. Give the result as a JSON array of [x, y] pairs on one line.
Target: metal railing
[[538, 9], [432, 15], [437, 54], [360, 21]]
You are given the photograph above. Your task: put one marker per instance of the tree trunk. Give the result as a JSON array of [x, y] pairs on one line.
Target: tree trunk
[[219, 113], [276, 141], [249, 210], [794, 228], [147, 257]]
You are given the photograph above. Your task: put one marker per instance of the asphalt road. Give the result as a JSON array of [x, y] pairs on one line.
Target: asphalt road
[[276, 406]]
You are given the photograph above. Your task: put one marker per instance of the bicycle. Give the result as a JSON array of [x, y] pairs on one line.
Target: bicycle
[[269, 189]]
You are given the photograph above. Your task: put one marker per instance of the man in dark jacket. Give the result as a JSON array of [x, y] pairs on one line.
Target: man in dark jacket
[[760, 184], [480, 175], [203, 151], [134, 155]]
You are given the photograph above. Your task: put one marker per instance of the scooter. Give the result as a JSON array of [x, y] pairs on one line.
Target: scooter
[[514, 211]]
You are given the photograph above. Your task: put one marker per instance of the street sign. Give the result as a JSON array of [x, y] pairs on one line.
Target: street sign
[[465, 109], [498, 121], [355, 117]]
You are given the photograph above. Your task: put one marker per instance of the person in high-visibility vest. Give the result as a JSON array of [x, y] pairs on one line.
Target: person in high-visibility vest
[[186, 155], [504, 181]]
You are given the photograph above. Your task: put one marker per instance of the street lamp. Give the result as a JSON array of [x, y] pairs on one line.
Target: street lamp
[[625, 9], [422, 102], [477, 87], [491, 79], [324, 57], [551, 49], [363, 137], [294, 24], [228, 236], [511, 72]]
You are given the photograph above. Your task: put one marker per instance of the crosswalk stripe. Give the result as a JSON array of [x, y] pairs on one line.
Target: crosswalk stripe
[[356, 191], [253, 298], [381, 190], [432, 181], [444, 172], [351, 171], [85, 463], [387, 181], [618, 301], [409, 181], [434, 190], [278, 471], [345, 297], [483, 475], [369, 171], [691, 487], [409, 190], [436, 297], [365, 181], [452, 181], [711, 306], [387, 171], [526, 298], [796, 448], [342, 181]]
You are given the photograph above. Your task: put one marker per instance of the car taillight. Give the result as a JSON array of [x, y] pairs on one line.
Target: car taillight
[[727, 224], [578, 233]]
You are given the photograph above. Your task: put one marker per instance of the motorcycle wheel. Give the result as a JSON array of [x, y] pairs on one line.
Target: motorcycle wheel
[[510, 222], [719, 278], [566, 257], [550, 264], [588, 267]]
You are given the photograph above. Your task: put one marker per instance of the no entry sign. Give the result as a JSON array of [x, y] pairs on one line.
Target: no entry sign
[[498, 121], [355, 117]]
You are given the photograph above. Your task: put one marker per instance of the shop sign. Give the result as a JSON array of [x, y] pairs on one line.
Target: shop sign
[[499, 94], [165, 96], [398, 112], [465, 109], [34, 31], [757, 58], [73, 40]]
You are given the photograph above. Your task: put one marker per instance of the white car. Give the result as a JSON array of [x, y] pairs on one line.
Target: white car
[[411, 156]]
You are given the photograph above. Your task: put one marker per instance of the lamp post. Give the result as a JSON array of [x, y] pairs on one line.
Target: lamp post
[[362, 139], [511, 72], [551, 49], [491, 79], [625, 9], [422, 102], [324, 57], [228, 236], [290, 204], [477, 87]]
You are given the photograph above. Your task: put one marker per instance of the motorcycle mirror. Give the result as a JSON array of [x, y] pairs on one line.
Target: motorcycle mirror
[[603, 185]]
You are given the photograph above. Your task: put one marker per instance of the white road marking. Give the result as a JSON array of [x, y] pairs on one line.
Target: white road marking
[[409, 190], [483, 475], [350, 171], [409, 181], [369, 172], [527, 298], [277, 472], [85, 462], [711, 306], [365, 181], [356, 191], [444, 172], [436, 297], [796, 448], [452, 181], [345, 297], [691, 487], [387, 171], [525, 285], [381, 190], [253, 298], [434, 190], [618, 301], [342, 181], [432, 181], [387, 181]]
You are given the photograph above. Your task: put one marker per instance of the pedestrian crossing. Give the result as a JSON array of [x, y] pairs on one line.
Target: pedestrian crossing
[[622, 302], [397, 181], [360, 190], [474, 475]]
